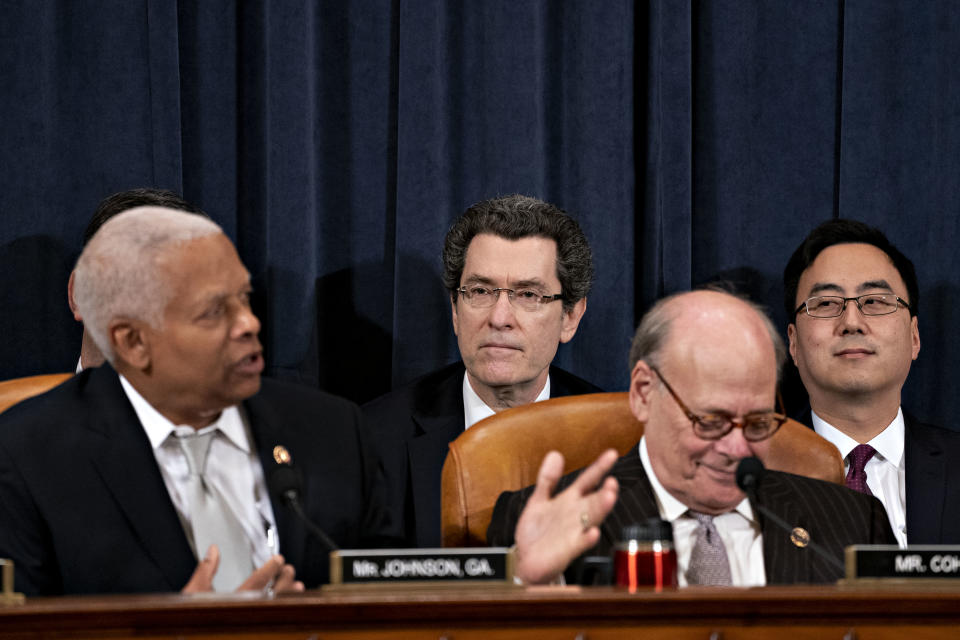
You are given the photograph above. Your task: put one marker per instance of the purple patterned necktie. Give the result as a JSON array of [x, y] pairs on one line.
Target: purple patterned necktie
[[856, 476], [709, 564]]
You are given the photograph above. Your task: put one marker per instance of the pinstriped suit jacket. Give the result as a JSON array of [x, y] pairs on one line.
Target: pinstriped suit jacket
[[834, 516]]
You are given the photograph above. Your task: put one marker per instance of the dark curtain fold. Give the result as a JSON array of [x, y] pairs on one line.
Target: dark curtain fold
[[899, 155], [505, 97], [337, 141]]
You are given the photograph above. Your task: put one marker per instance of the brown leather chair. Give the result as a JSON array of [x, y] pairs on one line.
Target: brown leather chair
[[16, 389], [504, 452]]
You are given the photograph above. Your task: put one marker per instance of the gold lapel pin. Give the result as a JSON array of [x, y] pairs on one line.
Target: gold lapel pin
[[281, 455], [800, 537]]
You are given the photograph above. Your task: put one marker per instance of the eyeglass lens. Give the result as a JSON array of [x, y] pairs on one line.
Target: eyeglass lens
[[833, 306]]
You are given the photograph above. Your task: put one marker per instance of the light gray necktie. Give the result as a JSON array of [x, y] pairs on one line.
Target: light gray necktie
[[211, 519], [709, 564]]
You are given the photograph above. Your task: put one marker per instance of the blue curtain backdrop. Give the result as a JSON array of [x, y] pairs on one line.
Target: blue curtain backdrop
[[336, 141]]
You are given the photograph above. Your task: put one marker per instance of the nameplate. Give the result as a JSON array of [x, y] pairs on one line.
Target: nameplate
[[441, 566], [926, 562]]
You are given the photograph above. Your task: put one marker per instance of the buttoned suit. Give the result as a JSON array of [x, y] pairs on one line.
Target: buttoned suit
[[84, 508], [410, 430], [932, 473], [833, 515]]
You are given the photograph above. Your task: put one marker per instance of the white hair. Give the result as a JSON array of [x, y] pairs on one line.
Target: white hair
[[118, 275]]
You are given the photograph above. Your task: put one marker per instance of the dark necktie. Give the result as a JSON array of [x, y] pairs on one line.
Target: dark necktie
[[856, 476], [709, 564]]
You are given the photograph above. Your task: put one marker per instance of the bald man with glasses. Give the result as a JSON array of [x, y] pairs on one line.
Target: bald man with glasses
[[721, 356], [853, 300]]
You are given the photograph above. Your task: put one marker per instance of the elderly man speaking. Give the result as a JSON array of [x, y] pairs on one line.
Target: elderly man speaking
[[155, 472], [721, 357]]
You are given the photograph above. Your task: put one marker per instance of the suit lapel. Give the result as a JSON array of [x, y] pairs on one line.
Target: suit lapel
[[124, 459], [266, 427], [438, 416], [563, 384], [784, 562], [636, 502], [439, 421], [926, 478]]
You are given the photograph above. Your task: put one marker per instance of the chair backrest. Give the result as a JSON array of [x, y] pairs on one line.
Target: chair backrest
[[504, 452], [16, 389]]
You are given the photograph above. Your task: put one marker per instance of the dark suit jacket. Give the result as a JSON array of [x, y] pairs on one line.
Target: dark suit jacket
[[83, 507], [410, 430], [932, 472], [833, 515]]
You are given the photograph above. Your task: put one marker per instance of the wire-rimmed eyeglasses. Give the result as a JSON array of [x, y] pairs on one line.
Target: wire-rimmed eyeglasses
[[870, 304], [482, 297], [712, 426]]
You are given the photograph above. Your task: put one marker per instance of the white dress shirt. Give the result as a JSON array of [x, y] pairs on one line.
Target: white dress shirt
[[886, 470], [738, 529], [475, 409], [232, 467]]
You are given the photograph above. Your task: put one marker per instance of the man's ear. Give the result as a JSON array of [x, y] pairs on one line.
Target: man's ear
[[130, 342], [792, 341], [453, 314], [571, 320], [70, 300], [915, 336], [641, 387]]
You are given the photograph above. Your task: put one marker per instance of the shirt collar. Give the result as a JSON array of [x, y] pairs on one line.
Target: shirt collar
[[672, 509], [888, 443], [158, 428], [475, 409]]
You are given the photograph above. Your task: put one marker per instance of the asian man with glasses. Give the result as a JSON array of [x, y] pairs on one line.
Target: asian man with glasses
[[853, 301]]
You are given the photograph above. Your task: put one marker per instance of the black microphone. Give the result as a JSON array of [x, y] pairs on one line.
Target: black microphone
[[285, 485], [749, 475]]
